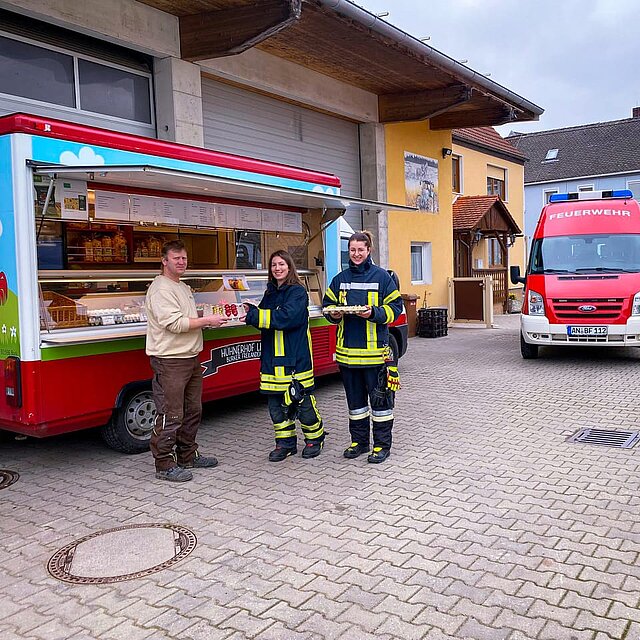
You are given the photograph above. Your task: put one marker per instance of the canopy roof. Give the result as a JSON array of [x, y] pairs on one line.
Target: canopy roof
[[485, 213], [337, 38]]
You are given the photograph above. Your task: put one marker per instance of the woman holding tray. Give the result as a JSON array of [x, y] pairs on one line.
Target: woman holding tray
[[286, 366], [372, 301]]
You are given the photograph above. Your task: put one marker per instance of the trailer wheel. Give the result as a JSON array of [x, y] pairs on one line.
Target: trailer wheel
[[528, 351], [129, 429]]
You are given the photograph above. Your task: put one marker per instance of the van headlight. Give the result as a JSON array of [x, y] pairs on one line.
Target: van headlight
[[535, 304], [635, 308]]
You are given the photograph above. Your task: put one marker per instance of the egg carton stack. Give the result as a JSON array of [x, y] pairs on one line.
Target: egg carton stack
[[115, 315]]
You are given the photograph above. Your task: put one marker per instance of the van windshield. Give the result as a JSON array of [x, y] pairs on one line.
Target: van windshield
[[610, 253]]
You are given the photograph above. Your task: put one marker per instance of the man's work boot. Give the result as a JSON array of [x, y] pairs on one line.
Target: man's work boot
[[175, 474], [201, 462]]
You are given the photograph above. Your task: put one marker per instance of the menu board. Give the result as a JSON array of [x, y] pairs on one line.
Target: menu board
[[193, 213], [291, 222], [271, 220], [202, 214], [112, 206], [72, 196], [249, 218]]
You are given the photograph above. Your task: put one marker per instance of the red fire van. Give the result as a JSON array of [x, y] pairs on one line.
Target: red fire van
[[582, 285]]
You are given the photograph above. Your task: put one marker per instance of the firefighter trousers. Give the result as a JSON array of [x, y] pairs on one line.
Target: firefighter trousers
[[358, 383], [284, 420]]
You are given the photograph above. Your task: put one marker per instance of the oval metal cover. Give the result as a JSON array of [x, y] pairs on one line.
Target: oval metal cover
[[587, 308], [61, 564]]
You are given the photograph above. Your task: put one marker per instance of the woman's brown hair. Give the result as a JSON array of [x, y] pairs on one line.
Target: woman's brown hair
[[292, 276], [362, 236]]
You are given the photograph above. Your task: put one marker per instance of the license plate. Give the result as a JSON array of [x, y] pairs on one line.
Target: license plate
[[587, 331]]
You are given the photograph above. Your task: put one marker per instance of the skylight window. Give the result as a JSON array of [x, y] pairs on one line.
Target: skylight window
[[552, 154]]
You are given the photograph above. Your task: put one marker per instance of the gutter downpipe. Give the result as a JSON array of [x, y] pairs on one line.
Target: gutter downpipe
[[379, 26]]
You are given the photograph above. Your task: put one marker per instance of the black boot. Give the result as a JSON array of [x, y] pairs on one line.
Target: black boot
[[280, 453]]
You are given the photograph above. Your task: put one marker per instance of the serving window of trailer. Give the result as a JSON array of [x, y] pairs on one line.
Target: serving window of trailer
[[99, 247]]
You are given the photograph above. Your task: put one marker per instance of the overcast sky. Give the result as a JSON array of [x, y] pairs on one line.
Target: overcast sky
[[577, 59]]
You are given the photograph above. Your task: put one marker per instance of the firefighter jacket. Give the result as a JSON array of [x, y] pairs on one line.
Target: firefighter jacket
[[283, 319], [362, 342]]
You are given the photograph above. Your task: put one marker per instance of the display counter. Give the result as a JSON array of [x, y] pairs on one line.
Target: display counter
[[85, 306]]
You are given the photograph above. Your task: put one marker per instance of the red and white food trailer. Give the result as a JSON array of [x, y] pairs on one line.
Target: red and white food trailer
[[83, 217]]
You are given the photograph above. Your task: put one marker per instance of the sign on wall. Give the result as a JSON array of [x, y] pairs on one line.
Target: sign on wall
[[421, 182]]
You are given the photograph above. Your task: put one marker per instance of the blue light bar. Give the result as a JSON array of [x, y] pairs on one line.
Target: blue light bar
[[622, 194]]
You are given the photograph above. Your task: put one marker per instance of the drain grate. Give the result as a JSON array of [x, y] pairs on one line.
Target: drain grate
[[7, 478], [606, 438]]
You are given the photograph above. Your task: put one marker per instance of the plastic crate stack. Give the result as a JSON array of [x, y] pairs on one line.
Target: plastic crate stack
[[432, 322]]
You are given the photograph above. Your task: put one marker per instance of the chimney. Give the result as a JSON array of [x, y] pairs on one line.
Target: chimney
[[636, 112]]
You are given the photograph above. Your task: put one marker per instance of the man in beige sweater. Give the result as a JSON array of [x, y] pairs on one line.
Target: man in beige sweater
[[174, 340]]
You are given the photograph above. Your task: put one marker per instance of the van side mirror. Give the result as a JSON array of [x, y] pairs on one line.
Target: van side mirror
[[516, 278]]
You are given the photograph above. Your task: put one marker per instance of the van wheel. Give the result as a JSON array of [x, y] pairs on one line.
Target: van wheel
[[129, 429], [395, 349], [528, 351]]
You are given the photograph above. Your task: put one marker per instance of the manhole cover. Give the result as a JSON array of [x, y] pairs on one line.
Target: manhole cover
[[605, 438], [7, 478], [123, 553]]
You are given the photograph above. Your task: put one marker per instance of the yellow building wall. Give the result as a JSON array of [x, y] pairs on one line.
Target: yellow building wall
[[408, 227], [474, 183]]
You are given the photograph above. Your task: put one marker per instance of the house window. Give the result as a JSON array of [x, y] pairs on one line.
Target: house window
[[420, 263], [552, 154], [546, 195], [585, 187], [634, 187], [70, 80], [456, 175], [497, 182], [50, 73], [495, 258]]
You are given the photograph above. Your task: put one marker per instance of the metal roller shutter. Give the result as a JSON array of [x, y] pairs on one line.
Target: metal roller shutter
[[250, 124]]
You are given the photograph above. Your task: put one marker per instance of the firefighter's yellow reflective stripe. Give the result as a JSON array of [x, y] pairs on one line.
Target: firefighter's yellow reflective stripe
[[340, 335], [331, 295], [389, 313], [380, 415], [378, 351], [359, 362], [264, 318], [372, 327], [394, 295], [312, 435], [285, 434], [283, 425], [278, 343], [342, 297], [281, 376], [359, 414], [309, 342]]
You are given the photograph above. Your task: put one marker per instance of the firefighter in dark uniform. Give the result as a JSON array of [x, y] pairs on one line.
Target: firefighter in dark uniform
[[286, 365], [362, 350]]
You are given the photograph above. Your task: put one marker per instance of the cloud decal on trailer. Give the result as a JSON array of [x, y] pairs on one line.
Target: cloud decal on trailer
[[330, 191], [86, 156]]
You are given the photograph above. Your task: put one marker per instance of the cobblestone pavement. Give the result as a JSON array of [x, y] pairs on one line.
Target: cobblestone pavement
[[483, 524]]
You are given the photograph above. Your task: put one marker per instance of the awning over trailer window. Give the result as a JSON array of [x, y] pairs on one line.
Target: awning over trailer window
[[150, 177]]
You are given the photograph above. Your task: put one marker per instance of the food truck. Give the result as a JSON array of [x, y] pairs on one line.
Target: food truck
[[582, 286], [83, 217]]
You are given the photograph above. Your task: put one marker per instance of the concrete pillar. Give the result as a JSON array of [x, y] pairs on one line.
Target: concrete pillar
[[373, 170], [179, 101]]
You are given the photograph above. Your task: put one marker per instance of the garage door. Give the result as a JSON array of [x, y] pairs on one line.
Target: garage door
[[250, 124]]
